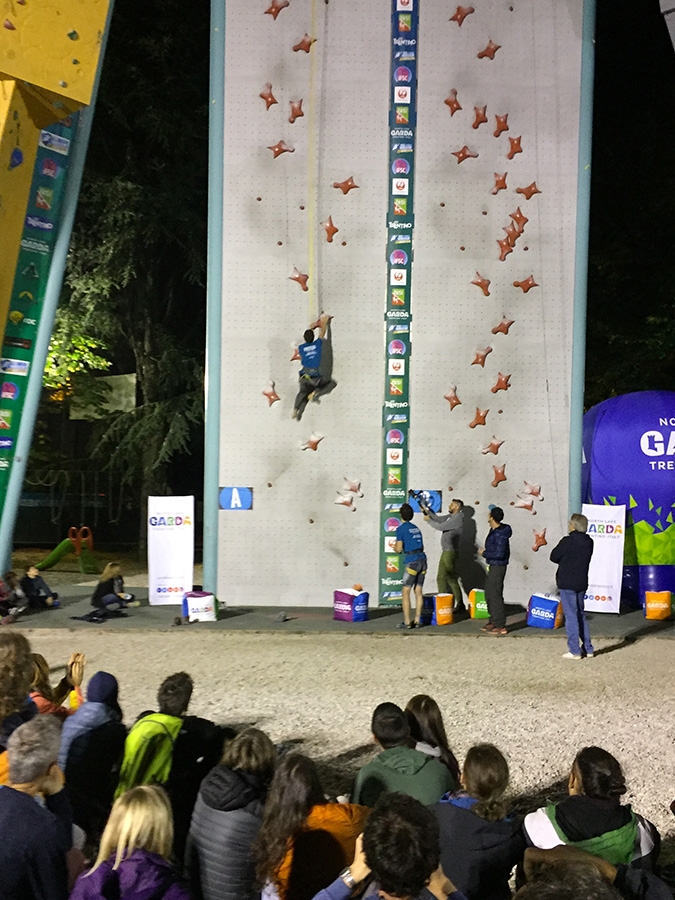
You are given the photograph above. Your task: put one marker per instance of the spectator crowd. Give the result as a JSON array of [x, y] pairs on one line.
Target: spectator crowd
[[179, 807]]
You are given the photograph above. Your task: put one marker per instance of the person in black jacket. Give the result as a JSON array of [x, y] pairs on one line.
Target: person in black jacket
[[497, 552], [573, 556], [480, 843], [227, 817]]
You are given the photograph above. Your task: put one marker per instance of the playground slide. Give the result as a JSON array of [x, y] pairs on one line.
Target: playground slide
[[80, 542], [66, 546]]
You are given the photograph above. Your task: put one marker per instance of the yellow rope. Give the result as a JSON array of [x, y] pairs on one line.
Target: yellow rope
[[312, 192]]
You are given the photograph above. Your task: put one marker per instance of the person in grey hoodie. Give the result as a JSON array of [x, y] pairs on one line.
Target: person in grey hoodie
[[450, 527], [226, 820], [399, 767]]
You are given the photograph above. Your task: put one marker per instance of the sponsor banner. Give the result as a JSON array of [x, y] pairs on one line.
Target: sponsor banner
[[399, 257], [41, 223], [171, 544], [606, 525]]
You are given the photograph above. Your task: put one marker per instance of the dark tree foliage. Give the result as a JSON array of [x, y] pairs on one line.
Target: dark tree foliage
[[631, 302], [136, 270]]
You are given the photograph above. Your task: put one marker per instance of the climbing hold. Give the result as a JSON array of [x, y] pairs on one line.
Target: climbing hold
[[539, 539], [345, 186], [323, 319], [346, 500], [500, 182], [479, 418], [312, 442], [479, 117], [534, 490], [280, 147], [16, 158], [63, 84], [330, 229], [275, 8], [461, 13], [300, 277], [489, 51], [502, 383], [304, 43], [267, 95], [499, 475], [504, 248], [296, 111], [452, 102], [502, 124], [479, 358], [352, 487], [463, 154], [271, 394], [503, 327], [345, 563], [482, 283], [269, 484], [520, 220], [452, 398], [526, 284], [522, 503], [8, 25], [296, 355], [492, 447], [511, 233], [529, 191], [514, 147]]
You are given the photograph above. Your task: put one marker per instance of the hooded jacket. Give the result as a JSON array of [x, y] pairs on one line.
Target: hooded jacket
[[478, 855], [225, 822], [405, 770], [497, 548], [142, 876]]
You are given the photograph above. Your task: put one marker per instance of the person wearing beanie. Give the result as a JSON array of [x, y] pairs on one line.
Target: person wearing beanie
[[92, 744], [496, 553]]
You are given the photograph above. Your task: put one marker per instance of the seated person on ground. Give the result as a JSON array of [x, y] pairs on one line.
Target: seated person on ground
[[304, 840], [92, 744], [51, 700], [37, 591], [135, 848], [173, 749], [226, 819], [592, 817], [399, 851], [36, 836], [109, 593], [480, 843], [428, 731], [399, 767]]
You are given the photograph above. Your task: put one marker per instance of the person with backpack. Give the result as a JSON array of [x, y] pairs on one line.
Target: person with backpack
[[172, 749]]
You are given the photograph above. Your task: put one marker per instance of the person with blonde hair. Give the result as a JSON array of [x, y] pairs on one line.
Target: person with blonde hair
[[51, 700], [109, 593], [480, 842], [16, 708], [226, 819], [132, 861]]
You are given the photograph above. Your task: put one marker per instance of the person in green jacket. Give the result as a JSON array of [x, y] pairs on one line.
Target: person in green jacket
[[399, 767]]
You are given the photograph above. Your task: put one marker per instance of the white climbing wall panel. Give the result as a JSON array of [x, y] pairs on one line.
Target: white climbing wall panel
[[297, 545]]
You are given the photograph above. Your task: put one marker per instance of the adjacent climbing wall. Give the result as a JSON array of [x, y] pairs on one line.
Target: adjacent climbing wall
[[307, 206]]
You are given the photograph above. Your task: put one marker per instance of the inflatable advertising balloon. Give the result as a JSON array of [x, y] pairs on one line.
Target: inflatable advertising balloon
[[629, 458]]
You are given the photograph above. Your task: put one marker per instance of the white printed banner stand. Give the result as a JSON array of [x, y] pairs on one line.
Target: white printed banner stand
[[606, 525], [171, 548]]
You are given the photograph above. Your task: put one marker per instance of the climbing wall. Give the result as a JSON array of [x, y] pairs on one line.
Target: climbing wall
[[306, 210]]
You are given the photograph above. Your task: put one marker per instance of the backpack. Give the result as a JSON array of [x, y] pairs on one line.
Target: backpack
[[148, 751]]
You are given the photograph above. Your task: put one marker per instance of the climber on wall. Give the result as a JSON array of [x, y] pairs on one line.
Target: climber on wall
[[315, 373]]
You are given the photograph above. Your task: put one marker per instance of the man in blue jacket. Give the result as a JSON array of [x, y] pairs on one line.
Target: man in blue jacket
[[496, 553], [573, 556]]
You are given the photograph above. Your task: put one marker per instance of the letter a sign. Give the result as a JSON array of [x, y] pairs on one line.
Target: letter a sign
[[236, 498]]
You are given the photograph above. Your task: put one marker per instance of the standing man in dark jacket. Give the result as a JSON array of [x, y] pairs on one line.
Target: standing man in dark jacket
[[497, 552], [573, 556]]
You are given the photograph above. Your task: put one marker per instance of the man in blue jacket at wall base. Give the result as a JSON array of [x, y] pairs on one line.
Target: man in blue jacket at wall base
[[497, 552]]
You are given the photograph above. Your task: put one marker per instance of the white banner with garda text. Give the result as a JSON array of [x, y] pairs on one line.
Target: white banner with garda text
[[606, 525], [171, 548]]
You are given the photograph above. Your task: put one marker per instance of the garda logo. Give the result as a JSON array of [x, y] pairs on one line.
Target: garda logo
[[395, 436], [169, 521], [398, 258], [604, 528], [542, 613]]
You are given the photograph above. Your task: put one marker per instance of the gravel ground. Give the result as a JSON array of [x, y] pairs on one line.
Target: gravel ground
[[318, 691]]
